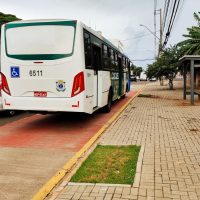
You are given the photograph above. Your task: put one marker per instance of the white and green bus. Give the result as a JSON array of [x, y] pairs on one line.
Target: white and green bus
[[60, 66]]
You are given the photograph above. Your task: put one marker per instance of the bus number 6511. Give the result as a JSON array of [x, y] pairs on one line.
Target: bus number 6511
[[35, 72]]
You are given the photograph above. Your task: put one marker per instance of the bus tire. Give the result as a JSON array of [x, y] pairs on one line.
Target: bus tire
[[107, 108], [127, 88], [123, 96], [10, 113]]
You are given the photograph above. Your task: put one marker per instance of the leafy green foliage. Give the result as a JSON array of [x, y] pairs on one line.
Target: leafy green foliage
[[5, 18], [191, 46], [152, 71], [137, 71], [166, 65]]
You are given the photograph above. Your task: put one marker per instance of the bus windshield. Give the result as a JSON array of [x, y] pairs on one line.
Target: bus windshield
[[37, 40]]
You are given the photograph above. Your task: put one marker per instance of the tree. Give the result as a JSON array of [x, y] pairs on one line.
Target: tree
[[5, 18], [191, 46], [137, 71], [166, 65], [132, 68], [152, 71]]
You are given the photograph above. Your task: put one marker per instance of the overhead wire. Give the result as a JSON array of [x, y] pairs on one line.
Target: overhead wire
[[166, 13], [174, 15], [180, 9], [165, 5], [143, 59], [132, 38], [171, 22]]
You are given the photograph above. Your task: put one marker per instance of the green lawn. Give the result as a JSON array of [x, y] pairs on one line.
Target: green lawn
[[109, 164]]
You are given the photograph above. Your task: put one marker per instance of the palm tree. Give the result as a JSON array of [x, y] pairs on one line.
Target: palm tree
[[191, 46]]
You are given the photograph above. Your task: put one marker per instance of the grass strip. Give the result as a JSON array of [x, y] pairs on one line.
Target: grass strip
[[109, 164]]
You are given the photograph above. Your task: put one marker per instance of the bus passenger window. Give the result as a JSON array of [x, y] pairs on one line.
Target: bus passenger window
[[87, 46], [123, 63], [116, 60], [112, 59], [126, 65], [105, 57], [96, 57]]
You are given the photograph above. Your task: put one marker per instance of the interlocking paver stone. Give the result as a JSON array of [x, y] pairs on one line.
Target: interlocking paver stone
[[168, 129]]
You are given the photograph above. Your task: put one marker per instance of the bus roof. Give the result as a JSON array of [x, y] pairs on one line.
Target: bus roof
[[39, 20]]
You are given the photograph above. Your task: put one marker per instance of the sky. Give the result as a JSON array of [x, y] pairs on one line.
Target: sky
[[116, 19]]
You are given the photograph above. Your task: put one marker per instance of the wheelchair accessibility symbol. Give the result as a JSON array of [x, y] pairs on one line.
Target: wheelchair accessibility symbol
[[14, 71]]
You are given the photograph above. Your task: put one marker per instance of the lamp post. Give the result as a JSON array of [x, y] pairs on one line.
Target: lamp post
[[153, 35], [160, 48]]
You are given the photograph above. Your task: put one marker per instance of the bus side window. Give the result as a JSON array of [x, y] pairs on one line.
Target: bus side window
[[129, 67], [96, 57], [112, 59], [120, 62], [116, 60], [109, 59], [123, 63], [126, 65], [87, 46], [105, 57]]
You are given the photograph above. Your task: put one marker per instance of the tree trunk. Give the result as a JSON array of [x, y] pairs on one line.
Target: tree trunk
[[161, 81], [171, 86]]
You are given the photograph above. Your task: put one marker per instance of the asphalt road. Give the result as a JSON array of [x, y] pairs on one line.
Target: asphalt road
[[5, 118]]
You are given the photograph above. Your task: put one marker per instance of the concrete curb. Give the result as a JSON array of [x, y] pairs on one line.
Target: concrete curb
[[137, 178], [99, 184]]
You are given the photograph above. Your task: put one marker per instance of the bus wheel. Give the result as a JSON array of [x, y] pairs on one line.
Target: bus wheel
[[107, 108], [123, 96], [11, 113]]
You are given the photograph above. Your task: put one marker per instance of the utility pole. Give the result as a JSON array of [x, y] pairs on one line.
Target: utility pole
[[160, 42], [161, 33], [161, 28], [155, 6]]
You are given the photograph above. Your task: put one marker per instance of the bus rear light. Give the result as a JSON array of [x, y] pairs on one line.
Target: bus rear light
[[0, 88], [78, 85], [4, 84]]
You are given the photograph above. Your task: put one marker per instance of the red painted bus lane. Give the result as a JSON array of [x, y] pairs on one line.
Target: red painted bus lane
[[61, 131], [40, 145]]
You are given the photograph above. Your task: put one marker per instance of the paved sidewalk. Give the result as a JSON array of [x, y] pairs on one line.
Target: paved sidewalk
[[169, 132]]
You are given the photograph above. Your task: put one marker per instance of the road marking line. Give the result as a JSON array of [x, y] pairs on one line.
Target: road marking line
[[46, 189]]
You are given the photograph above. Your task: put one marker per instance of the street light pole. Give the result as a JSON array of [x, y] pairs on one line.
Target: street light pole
[[153, 35]]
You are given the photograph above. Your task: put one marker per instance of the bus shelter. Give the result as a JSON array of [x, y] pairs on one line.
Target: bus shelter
[[190, 64]]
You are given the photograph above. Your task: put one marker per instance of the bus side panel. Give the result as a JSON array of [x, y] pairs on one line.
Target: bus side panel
[[115, 78], [89, 90]]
